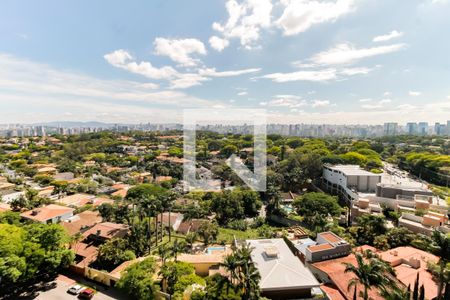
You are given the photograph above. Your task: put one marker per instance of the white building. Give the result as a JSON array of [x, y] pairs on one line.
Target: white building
[[283, 275]]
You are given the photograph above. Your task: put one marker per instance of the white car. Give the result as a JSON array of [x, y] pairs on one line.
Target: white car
[[75, 290]]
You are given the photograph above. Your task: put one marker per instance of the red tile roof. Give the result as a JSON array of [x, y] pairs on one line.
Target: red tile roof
[[45, 213]]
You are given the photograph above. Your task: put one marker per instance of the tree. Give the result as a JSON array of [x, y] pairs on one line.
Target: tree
[[112, 253], [106, 210], [243, 273], [190, 238], [228, 150], [171, 273], [441, 247], [369, 227], [208, 231], [137, 280], [370, 272], [315, 207], [177, 247], [32, 250], [184, 282]]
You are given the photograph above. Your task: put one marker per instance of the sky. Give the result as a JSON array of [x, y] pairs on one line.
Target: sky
[[321, 62]]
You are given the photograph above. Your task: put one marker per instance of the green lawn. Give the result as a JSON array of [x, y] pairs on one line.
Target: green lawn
[[226, 234]]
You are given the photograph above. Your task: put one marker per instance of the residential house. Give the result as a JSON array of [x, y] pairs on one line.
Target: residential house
[[283, 275], [49, 214], [81, 222], [76, 200]]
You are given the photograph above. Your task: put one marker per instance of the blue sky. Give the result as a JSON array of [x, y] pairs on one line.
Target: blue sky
[[335, 61]]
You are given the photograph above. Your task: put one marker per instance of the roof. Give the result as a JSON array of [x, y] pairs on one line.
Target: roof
[[100, 200], [403, 259], [6, 185], [4, 207], [335, 270], [81, 221], [352, 170], [330, 237], [76, 199], [314, 248], [332, 292], [46, 213], [107, 230], [190, 225], [280, 272]]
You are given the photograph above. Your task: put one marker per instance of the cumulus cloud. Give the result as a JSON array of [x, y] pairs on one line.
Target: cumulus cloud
[[122, 59], [180, 50], [218, 43], [347, 54], [244, 22], [387, 37], [299, 15]]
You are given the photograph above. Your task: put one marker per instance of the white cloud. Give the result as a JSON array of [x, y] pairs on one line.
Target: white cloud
[[300, 15], [320, 103], [321, 75], [180, 50], [346, 53], [355, 71], [387, 37], [387, 94], [365, 100], [414, 93], [406, 107], [383, 101], [122, 59], [38, 87], [290, 101], [218, 43], [211, 72], [242, 93], [245, 21]]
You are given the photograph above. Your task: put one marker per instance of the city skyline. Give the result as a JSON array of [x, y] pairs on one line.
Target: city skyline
[[363, 62]]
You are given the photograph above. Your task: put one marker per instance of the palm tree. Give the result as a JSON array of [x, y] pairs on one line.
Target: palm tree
[[246, 273], [369, 272], [441, 247], [190, 238], [164, 253], [230, 263], [178, 247]]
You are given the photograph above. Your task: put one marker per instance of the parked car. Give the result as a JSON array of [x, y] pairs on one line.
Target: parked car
[[86, 294], [75, 290]]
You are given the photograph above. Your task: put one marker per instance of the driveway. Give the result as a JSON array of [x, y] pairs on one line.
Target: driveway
[[57, 290]]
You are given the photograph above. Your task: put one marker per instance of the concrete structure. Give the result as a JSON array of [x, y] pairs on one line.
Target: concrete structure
[[410, 263], [283, 275], [394, 191], [348, 180], [49, 214], [328, 245], [425, 224]]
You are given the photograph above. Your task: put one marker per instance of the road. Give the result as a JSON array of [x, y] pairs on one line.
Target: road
[[57, 290]]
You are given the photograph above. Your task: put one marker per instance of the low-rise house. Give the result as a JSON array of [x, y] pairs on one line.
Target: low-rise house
[[427, 223], [174, 221], [65, 176], [6, 188], [102, 232], [410, 263], [9, 197], [332, 274], [283, 275], [49, 214], [81, 222], [76, 200], [190, 225], [328, 245]]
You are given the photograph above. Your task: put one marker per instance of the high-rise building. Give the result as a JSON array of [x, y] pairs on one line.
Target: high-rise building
[[411, 128], [390, 128], [448, 127], [422, 128]]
